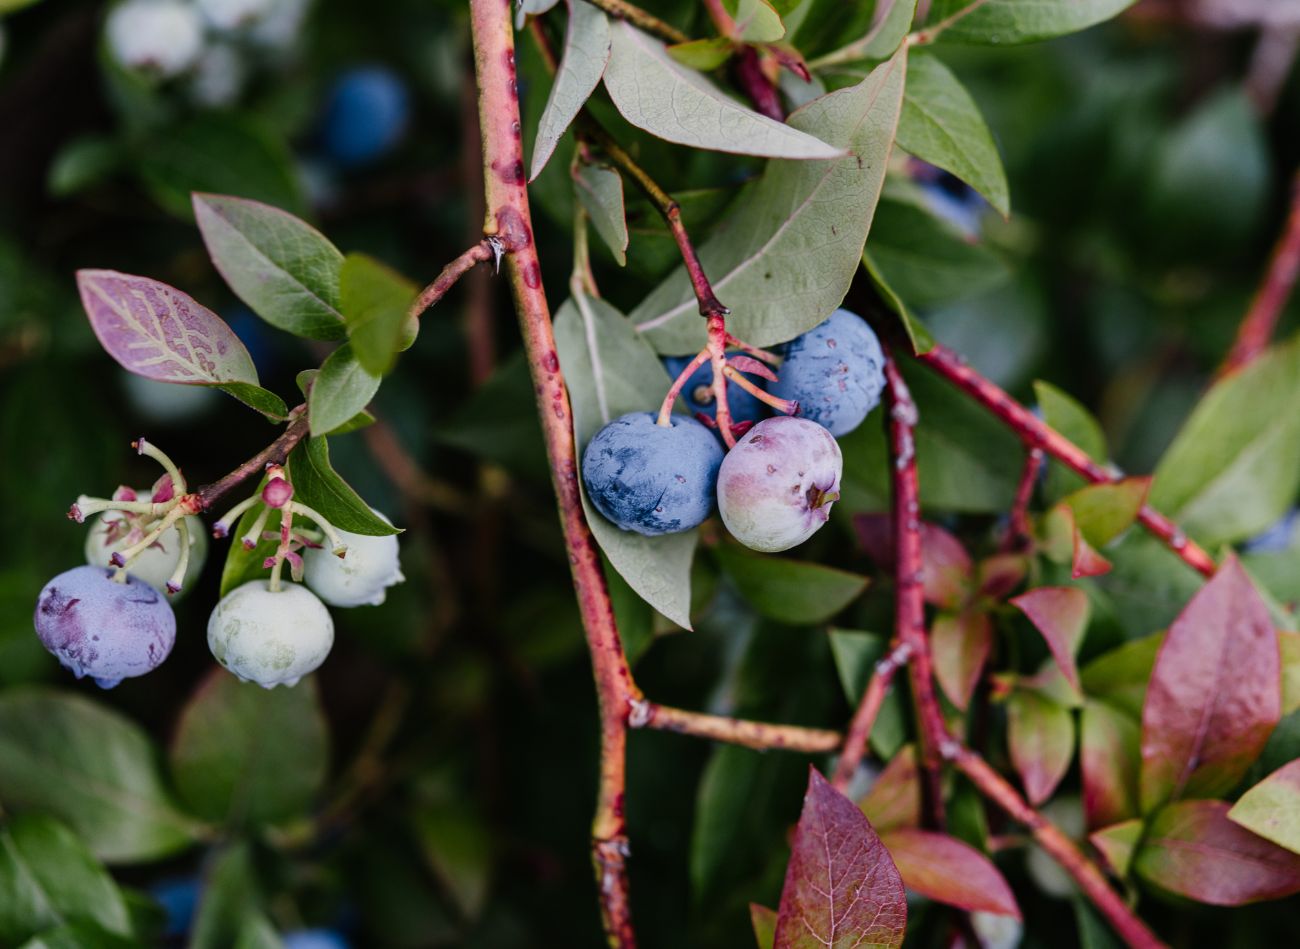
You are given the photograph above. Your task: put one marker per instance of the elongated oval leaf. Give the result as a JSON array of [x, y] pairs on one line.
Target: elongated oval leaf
[[841, 887], [961, 644], [339, 391], [92, 768], [784, 259], [243, 755], [1191, 848], [600, 190], [319, 486], [586, 53], [1061, 615], [375, 300], [941, 124], [1215, 692], [1002, 22], [1234, 467], [156, 331], [660, 95], [1068, 416], [47, 876], [894, 800], [282, 267], [1117, 843], [1272, 807], [1040, 734], [789, 591], [1109, 754], [611, 371], [949, 870], [764, 922]]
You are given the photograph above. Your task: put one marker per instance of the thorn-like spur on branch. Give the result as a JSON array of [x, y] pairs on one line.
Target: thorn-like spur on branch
[[1279, 280], [735, 731], [273, 454], [1036, 434], [864, 719], [487, 249], [642, 20]]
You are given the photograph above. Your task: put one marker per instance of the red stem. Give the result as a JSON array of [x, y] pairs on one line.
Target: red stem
[[717, 349], [666, 408], [864, 719], [736, 731], [481, 252], [1018, 532], [1266, 308], [509, 221], [1036, 434], [273, 454]]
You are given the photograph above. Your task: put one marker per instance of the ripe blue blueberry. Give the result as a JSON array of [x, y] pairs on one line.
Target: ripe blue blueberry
[[365, 116], [650, 478], [697, 393], [835, 371], [1277, 537], [100, 628]]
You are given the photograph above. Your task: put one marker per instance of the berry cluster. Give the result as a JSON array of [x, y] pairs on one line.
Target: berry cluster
[[775, 487], [110, 619]]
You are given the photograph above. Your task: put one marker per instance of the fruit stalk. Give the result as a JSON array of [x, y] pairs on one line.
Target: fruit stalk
[[1037, 434], [1258, 325], [508, 220]]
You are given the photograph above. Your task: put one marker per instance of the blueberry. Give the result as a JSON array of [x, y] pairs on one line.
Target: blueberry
[[697, 393], [650, 478], [1275, 538], [271, 638], [361, 577], [314, 939], [776, 487], [365, 116], [108, 535], [835, 371], [179, 898], [107, 630]]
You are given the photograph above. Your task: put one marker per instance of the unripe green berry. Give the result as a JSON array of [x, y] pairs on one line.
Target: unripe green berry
[[271, 638]]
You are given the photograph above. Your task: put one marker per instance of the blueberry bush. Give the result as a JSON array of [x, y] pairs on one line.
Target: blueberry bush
[[916, 385]]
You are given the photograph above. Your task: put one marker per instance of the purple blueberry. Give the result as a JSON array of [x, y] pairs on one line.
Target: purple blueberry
[[697, 393], [365, 116], [776, 487], [100, 628], [835, 371], [650, 478]]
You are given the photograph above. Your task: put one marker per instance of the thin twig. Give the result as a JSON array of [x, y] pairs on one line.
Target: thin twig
[[1018, 532], [1279, 280], [735, 731], [481, 252], [1036, 434], [509, 221], [273, 454], [864, 719], [642, 20]]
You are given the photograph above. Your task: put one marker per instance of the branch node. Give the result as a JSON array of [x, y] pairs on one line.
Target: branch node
[[640, 712]]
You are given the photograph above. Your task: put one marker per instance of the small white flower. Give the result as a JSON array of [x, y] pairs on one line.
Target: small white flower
[[160, 36], [362, 577]]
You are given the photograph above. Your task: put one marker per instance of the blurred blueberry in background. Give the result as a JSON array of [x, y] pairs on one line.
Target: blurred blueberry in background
[[949, 198], [314, 939], [1277, 537], [366, 113], [179, 897]]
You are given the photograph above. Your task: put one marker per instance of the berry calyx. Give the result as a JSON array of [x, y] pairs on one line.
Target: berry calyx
[[104, 628], [271, 637]]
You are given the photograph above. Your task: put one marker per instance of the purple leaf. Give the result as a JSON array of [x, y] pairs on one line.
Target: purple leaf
[[841, 888], [1215, 693], [156, 331], [949, 871], [1191, 848]]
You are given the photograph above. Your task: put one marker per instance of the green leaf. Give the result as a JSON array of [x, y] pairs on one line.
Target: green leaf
[[1117, 843], [1066, 415], [1120, 676], [1272, 807], [255, 397], [704, 55], [458, 846], [1235, 466], [1003, 22], [924, 260], [48, 878], [941, 124], [375, 301], [92, 768], [1108, 757], [341, 389], [917, 334], [318, 485], [890, 30], [764, 922], [243, 755], [783, 260], [856, 655], [659, 95], [256, 932], [600, 189], [83, 162], [757, 21], [80, 935], [789, 591], [284, 269], [611, 371], [586, 53], [1104, 511], [1040, 734], [362, 419], [227, 153], [231, 897]]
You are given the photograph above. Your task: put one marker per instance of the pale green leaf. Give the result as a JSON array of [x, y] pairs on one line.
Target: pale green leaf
[[600, 190], [756, 21], [375, 301], [789, 591], [340, 390], [586, 52], [1002, 22]]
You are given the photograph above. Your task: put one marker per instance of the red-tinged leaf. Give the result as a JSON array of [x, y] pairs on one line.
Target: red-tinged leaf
[[764, 922], [949, 871], [1063, 542], [1040, 733], [960, 643], [1061, 615], [946, 568], [841, 888], [1215, 692], [895, 799], [1192, 849], [156, 331], [1109, 756], [1271, 808], [1104, 511], [1087, 562], [1001, 573], [1290, 650], [1117, 843]]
